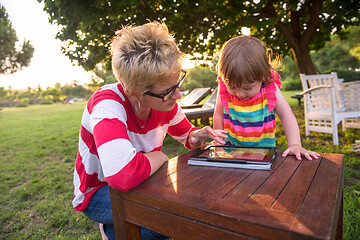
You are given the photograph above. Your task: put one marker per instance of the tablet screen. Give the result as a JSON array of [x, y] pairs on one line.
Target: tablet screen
[[237, 153]]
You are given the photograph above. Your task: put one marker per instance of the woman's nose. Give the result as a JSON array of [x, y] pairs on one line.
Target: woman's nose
[[177, 94]]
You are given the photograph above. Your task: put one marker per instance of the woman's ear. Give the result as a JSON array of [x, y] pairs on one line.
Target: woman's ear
[[134, 97]]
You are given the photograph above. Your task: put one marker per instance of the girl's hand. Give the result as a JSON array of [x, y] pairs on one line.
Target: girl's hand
[[197, 137], [299, 151]]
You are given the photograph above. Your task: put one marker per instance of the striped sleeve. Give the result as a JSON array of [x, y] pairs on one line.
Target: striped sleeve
[[180, 127], [123, 167]]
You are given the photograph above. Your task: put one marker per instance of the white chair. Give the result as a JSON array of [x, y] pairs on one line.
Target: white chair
[[328, 101], [352, 92]]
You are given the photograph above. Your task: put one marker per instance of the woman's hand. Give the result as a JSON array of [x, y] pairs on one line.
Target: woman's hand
[[197, 137], [299, 151]]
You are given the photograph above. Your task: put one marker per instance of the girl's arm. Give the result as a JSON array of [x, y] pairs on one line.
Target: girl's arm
[[218, 118], [291, 129]]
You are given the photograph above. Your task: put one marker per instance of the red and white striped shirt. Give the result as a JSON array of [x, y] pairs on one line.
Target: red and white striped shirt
[[112, 143]]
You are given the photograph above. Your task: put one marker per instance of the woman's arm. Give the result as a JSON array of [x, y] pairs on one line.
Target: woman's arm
[[197, 137], [156, 159], [216, 133]]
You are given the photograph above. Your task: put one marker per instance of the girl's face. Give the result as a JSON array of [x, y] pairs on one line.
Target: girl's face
[[246, 90]]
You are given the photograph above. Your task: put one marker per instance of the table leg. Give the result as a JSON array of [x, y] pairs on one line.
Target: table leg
[[133, 231], [123, 230], [339, 230]]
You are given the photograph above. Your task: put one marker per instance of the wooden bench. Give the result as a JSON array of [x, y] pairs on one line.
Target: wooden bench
[[194, 97], [295, 200], [202, 112]]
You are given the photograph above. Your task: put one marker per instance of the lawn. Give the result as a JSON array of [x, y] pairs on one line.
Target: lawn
[[38, 146]]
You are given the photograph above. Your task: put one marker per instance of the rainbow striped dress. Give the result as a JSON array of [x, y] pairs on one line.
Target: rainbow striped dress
[[251, 122]]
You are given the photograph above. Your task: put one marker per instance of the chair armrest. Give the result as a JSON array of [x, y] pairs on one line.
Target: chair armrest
[[314, 88]]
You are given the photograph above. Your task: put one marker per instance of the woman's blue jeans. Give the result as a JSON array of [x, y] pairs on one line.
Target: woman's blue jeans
[[99, 210]]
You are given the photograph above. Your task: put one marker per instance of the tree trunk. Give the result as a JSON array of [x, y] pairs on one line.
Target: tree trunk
[[303, 61], [299, 42], [299, 47]]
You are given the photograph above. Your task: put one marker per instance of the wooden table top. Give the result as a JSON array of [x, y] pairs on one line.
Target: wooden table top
[[296, 199]]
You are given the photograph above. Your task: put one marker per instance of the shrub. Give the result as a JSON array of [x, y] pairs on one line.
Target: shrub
[[347, 75], [46, 101], [291, 84], [22, 104]]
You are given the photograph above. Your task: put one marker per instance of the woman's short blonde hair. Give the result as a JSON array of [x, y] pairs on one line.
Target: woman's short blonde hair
[[144, 56], [244, 59]]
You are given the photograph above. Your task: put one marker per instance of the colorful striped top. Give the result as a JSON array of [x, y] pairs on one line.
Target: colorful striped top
[[251, 122], [112, 143]]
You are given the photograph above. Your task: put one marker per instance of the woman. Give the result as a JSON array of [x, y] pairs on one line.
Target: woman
[[124, 124]]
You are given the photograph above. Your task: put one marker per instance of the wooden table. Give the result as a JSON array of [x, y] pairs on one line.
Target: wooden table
[[295, 200]]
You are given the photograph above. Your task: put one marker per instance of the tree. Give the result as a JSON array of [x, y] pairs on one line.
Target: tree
[[336, 56], [101, 77], [75, 90], [12, 56], [200, 76], [203, 26]]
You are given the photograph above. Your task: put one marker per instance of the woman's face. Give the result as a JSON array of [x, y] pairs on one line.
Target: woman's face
[[162, 97], [246, 90]]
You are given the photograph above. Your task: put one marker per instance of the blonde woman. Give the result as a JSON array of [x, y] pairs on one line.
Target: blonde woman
[[124, 124]]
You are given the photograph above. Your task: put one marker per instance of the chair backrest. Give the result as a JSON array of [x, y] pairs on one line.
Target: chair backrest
[[195, 96], [310, 81], [351, 93]]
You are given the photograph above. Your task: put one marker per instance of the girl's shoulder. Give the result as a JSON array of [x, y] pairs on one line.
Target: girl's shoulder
[[223, 93], [270, 89], [274, 79]]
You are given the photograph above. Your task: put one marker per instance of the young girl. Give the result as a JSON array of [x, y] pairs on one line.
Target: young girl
[[249, 95]]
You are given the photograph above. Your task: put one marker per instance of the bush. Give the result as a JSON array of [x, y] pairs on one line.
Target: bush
[[347, 75], [191, 85], [291, 85], [46, 101], [22, 104]]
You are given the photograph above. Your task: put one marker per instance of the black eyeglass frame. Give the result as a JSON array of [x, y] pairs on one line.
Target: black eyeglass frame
[[172, 90]]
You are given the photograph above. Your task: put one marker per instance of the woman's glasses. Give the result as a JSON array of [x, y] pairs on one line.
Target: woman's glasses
[[166, 96]]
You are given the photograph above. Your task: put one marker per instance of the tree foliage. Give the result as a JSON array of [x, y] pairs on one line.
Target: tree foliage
[[200, 76], [12, 56], [336, 56], [202, 26], [58, 93]]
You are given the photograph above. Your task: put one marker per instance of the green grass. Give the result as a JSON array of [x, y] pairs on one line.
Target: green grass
[[38, 146]]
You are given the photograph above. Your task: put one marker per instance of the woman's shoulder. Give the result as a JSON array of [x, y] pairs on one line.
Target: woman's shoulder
[[112, 92]]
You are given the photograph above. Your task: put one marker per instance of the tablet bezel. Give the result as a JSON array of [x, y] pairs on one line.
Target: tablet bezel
[[269, 156]]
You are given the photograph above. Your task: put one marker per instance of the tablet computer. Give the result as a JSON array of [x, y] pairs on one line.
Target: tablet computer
[[237, 154]]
